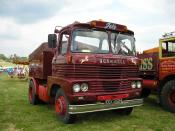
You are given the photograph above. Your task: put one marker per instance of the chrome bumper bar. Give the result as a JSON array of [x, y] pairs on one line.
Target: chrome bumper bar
[[77, 109]]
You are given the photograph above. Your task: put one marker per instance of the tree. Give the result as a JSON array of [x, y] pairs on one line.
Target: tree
[[3, 57], [13, 58]]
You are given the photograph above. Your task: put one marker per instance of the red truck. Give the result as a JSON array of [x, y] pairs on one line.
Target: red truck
[[86, 67], [158, 71]]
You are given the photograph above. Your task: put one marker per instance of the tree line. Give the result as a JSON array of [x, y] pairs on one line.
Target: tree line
[[13, 57]]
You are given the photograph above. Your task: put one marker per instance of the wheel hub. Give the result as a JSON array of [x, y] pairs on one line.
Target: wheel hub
[[60, 105]]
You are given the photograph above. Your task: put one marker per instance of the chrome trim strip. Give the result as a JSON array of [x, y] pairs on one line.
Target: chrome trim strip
[[78, 109]]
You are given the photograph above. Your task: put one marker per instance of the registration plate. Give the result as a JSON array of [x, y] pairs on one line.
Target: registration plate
[[114, 101]]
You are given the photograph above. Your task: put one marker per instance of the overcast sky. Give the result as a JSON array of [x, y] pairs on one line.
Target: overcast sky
[[25, 24]]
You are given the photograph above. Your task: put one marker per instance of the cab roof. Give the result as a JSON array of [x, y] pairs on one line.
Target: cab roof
[[168, 36], [98, 24], [152, 50]]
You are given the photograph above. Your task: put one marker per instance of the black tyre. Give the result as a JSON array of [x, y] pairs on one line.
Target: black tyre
[[33, 98], [125, 111], [61, 108], [167, 96], [145, 92]]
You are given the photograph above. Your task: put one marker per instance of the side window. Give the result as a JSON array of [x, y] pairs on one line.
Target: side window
[[64, 43], [105, 46], [171, 47], [168, 49]]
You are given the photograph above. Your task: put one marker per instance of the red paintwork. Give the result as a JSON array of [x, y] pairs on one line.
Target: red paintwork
[[40, 60], [150, 84], [166, 68], [147, 71], [102, 24], [60, 105], [90, 97], [112, 97], [43, 93], [162, 68], [106, 74], [61, 68]]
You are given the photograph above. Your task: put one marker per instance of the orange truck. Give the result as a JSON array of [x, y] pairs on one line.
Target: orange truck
[[86, 67], [158, 71]]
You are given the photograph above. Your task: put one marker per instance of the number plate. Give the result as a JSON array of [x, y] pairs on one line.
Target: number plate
[[114, 101]]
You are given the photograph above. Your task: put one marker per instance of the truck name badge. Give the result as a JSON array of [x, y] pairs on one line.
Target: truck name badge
[[110, 26], [112, 61]]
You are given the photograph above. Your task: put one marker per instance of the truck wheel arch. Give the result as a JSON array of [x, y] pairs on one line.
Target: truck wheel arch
[[53, 90], [165, 80]]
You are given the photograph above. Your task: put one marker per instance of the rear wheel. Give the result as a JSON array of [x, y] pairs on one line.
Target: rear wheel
[[167, 96], [33, 98], [61, 108]]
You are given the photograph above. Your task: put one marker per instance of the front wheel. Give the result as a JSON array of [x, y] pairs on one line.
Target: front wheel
[[167, 96], [61, 108]]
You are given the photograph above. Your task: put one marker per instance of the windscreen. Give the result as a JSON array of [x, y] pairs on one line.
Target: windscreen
[[168, 48], [86, 40], [122, 44]]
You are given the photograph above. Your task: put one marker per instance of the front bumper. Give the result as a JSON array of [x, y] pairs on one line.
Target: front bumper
[[78, 109]]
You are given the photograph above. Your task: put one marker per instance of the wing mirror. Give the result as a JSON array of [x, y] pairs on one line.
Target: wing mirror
[[52, 40]]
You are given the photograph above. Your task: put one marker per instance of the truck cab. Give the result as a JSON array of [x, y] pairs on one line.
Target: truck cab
[[158, 71], [86, 67]]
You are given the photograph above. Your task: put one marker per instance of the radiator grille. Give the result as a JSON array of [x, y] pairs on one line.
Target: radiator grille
[[107, 86], [89, 71], [100, 72]]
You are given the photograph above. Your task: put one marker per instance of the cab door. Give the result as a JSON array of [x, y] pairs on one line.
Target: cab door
[[60, 58], [167, 57]]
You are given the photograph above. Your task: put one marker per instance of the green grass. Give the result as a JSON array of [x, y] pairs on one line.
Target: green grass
[[17, 114]]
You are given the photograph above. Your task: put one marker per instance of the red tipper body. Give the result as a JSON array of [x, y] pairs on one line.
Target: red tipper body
[[97, 54]]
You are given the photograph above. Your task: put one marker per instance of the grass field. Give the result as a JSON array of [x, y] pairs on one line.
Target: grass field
[[17, 114]]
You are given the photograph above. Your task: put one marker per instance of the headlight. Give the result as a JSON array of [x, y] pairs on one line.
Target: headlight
[[84, 87], [139, 84], [76, 88], [133, 85]]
